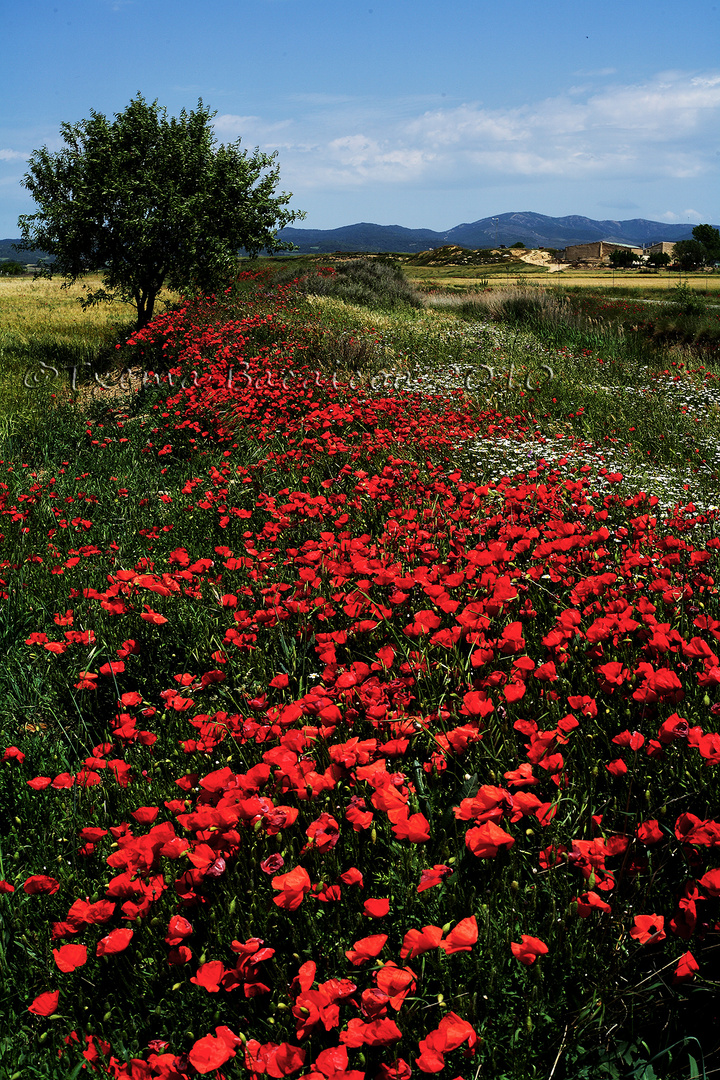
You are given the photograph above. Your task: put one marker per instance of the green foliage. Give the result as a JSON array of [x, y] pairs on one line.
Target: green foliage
[[689, 254], [687, 301], [709, 237], [378, 283], [658, 259], [12, 268], [150, 202], [622, 258]]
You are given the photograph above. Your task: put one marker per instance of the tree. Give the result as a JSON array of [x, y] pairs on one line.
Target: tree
[[658, 259], [689, 254], [622, 258], [12, 268], [709, 237], [150, 202]]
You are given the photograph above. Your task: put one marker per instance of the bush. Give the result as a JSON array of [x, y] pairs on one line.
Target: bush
[[11, 268], [377, 283]]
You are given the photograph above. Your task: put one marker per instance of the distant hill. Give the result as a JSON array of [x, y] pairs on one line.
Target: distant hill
[[534, 230], [7, 251]]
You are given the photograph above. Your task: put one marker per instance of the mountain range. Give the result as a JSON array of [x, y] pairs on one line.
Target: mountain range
[[534, 230]]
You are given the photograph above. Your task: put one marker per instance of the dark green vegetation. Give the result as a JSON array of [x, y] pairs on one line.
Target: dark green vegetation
[[379, 282], [180, 206]]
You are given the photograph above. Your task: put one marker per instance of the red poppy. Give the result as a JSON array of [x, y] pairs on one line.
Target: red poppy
[[417, 942], [293, 885], [366, 948], [648, 929], [178, 929], [45, 1004], [212, 1051], [353, 876], [433, 876], [462, 937], [209, 976], [377, 1033], [686, 969], [114, 942], [376, 909], [487, 840], [396, 982], [41, 883], [528, 949], [450, 1033], [649, 832], [589, 902], [39, 783], [113, 667], [69, 957]]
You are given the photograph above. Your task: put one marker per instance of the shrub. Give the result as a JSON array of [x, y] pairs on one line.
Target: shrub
[[377, 283], [11, 268]]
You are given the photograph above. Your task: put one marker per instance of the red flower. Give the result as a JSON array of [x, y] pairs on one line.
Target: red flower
[[528, 950], [212, 1051], [41, 883], [487, 839], [711, 882], [293, 885], [323, 833], [69, 957], [352, 877], [366, 948], [417, 942], [412, 827], [687, 966], [462, 937], [433, 876], [648, 929], [589, 902], [376, 909], [649, 832], [450, 1033], [376, 1033], [209, 976], [113, 667], [45, 1004], [114, 942]]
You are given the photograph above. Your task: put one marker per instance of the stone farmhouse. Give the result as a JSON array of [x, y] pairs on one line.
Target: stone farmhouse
[[661, 249], [596, 253]]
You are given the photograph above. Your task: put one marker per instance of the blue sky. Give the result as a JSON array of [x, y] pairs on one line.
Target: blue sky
[[400, 112]]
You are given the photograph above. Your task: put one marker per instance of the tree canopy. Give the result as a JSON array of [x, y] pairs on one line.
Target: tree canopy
[[622, 258], [709, 237], [148, 201], [689, 254]]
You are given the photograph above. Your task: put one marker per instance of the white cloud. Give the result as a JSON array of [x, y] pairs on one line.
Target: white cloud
[[662, 129], [681, 216], [12, 155]]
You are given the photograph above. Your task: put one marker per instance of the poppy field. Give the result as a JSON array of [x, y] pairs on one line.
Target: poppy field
[[360, 725]]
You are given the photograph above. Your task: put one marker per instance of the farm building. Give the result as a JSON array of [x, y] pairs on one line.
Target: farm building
[[663, 248], [596, 253]]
